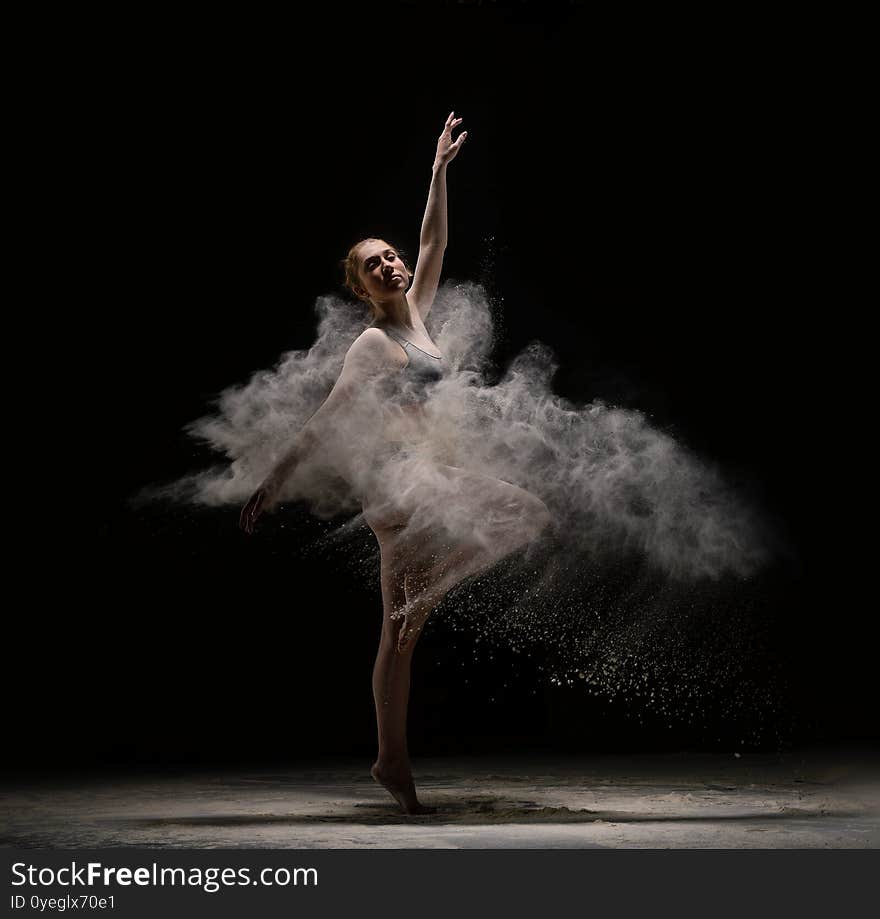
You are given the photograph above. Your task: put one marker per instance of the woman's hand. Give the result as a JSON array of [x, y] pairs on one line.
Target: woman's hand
[[261, 501], [447, 148]]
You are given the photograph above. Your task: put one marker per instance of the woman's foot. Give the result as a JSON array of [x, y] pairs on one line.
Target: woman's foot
[[399, 784]]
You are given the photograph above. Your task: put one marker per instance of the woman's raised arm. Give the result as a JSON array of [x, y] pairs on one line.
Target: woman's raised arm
[[366, 358], [432, 241]]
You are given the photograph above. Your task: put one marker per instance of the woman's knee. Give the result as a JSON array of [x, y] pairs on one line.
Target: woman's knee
[[542, 517], [535, 517]]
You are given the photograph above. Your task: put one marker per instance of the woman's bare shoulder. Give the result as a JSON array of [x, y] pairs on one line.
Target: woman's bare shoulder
[[373, 344]]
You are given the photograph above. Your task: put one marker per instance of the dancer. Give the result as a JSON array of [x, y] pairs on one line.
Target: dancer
[[419, 563]]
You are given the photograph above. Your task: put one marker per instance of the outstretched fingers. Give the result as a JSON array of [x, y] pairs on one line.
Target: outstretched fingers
[[447, 148], [451, 122]]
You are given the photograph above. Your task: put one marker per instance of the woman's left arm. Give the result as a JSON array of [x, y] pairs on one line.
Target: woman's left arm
[[432, 242]]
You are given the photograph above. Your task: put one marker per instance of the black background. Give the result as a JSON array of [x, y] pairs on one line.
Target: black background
[[652, 199]]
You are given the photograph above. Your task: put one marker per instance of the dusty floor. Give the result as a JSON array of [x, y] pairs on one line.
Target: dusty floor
[[795, 800]]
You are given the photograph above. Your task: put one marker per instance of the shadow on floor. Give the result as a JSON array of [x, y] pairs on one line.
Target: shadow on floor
[[481, 811]]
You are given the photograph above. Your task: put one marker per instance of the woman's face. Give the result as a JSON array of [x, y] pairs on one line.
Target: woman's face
[[381, 270]]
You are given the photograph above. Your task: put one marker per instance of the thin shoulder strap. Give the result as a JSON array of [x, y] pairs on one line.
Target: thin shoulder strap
[[401, 341]]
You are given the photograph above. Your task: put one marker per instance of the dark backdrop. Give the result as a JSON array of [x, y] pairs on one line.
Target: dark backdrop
[[649, 203]]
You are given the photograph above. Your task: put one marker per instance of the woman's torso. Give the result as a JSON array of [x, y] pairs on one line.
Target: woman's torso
[[410, 432], [423, 367]]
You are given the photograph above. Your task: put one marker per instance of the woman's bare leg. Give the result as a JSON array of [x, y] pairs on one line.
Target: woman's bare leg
[[391, 681], [516, 518], [412, 586]]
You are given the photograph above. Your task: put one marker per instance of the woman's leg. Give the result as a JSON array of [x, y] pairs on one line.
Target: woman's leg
[[414, 582], [391, 681], [506, 519]]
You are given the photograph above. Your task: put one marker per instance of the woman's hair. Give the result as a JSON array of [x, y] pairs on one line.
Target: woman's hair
[[350, 265]]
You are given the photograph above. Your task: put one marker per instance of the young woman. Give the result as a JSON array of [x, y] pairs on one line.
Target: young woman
[[418, 565]]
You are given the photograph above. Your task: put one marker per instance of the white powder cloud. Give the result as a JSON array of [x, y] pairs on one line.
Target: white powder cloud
[[614, 482]]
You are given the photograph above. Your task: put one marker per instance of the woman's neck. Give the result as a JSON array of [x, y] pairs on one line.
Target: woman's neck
[[394, 313]]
